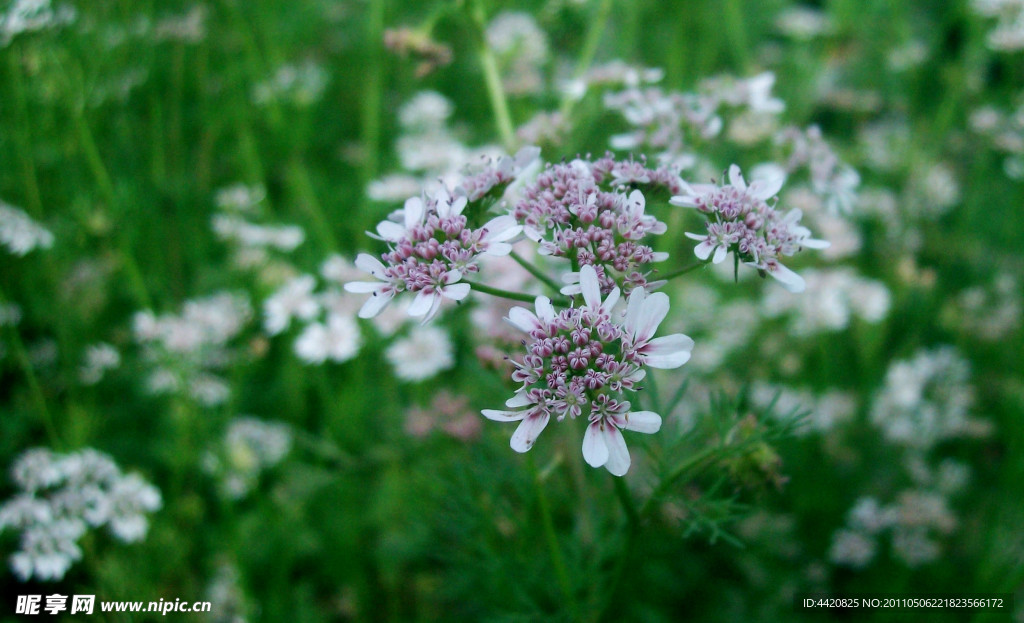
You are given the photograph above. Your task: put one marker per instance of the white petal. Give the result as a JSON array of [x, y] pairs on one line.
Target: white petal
[[504, 416], [363, 287], [703, 250], [456, 291], [369, 264], [413, 212], [523, 319], [391, 231], [528, 431], [643, 422], [421, 304], [720, 253], [595, 449], [375, 304], [765, 189], [654, 310], [692, 236], [545, 310], [618, 454], [736, 178], [498, 249], [813, 243], [519, 399], [591, 286], [668, 352], [611, 299], [634, 305], [789, 280]]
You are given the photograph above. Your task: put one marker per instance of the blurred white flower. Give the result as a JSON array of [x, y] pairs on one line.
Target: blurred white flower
[[19, 233], [60, 497], [292, 300], [426, 351], [99, 358]]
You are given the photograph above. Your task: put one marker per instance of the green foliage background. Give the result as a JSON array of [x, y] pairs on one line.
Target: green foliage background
[[364, 523]]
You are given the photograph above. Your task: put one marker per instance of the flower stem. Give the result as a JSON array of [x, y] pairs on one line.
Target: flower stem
[[35, 389], [489, 65], [536, 272], [552, 539], [682, 271], [514, 296], [505, 294]]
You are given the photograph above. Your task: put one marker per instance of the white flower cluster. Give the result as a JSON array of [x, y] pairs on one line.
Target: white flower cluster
[[185, 349], [1008, 34], [336, 337], [99, 358], [521, 48], [232, 227], [24, 16], [298, 85], [250, 446], [927, 399], [668, 122], [824, 411], [61, 496], [1005, 130], [421, 354], [990, 312], [914, 522], [19, 233], [834, 297]]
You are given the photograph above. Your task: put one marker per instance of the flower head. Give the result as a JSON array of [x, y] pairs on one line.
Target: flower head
[[432, 248], [581, 361], [741, 221]]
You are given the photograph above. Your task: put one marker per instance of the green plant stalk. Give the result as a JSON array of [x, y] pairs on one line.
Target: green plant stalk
[[373, 91], [587, 52], [736, 34], [552, 538], [536, 272], [508, 294], [298, 177], [35, 389], [682, 271], [23, 137], [492, 79]]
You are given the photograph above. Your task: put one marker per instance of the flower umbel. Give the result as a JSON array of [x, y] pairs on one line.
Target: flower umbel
[[581, 361], [741, 221]]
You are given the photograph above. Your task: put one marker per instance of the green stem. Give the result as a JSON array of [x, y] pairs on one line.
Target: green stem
[[35, 389], [552, 538], [682, 271], [626, 499], [536, 272], [588, 51], [514, 296], [23, 136], [492, 79], [373, 91]]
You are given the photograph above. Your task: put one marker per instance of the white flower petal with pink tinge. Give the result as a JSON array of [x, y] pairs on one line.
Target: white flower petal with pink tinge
[[789, 279], [504, 416], [528, 431], [375, 304], [595, 449], [647, 422], [618, 454], [456, 291], [590, 286], [668, 352]]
